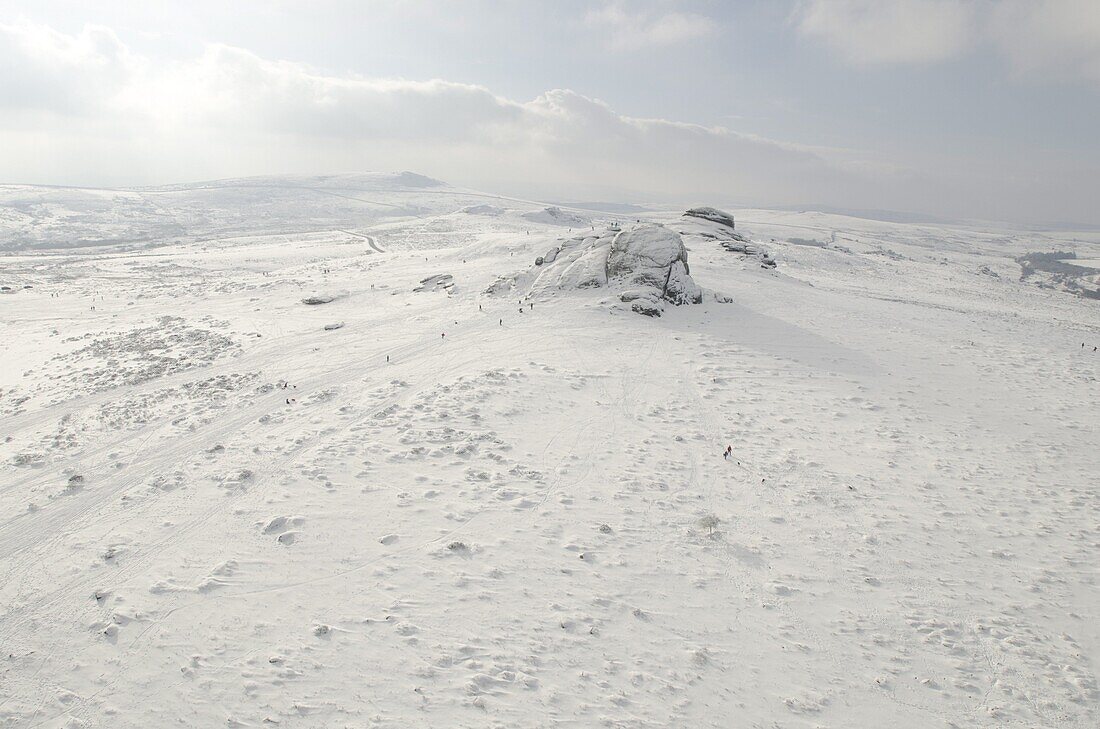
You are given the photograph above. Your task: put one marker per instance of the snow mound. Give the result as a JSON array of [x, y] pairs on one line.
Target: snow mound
[[412, 179], [647, 266], [712, 214], [554, 215], [492, 210]]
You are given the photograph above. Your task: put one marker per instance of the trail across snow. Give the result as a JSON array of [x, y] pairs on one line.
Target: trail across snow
[[216, 512]]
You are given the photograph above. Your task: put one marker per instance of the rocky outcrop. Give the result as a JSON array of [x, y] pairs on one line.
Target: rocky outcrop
[[653, 257], [711, 224], [1056, 270], [439, 282], [647, 265], [325, 297], [714, 215]]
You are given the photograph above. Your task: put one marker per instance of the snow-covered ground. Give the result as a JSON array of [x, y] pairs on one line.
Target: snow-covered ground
[[217, 508]]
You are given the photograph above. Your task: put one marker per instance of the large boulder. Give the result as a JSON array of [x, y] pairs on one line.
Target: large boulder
[[646, 266], [654, 257]]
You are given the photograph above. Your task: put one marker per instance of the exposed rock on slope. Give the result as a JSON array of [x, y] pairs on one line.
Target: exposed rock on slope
[[711, 224], [1055, 270], [438, 282], [714, 215], [647, 265], [653, 257], [324, 297]]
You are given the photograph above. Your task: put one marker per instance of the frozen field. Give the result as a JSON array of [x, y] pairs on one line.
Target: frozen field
[[218, 508]]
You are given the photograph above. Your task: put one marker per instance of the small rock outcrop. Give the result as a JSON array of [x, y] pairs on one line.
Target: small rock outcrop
[[714, 215], [712, 224], [439, 282], [326, 297]]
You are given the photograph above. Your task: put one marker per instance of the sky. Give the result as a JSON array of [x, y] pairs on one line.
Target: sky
[[972, 109]]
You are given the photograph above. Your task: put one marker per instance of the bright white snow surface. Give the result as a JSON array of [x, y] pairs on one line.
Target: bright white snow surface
[[529, 521]]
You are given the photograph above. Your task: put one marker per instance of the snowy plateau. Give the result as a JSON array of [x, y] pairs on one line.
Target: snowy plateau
[[375, 451]]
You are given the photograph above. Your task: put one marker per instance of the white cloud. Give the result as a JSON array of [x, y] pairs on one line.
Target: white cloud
[[229, 111], [867, 32], [1049, 37], [86, 110], [49, 71], [631, 30], [231, 87], [1038, 38]]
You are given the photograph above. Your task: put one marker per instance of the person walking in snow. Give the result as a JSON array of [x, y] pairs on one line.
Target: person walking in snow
[[728, 452]]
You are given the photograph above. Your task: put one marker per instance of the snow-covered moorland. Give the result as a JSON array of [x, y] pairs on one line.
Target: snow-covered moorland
[[359, 451]]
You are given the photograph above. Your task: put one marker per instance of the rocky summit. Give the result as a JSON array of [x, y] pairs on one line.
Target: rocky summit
[[645, 265]]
